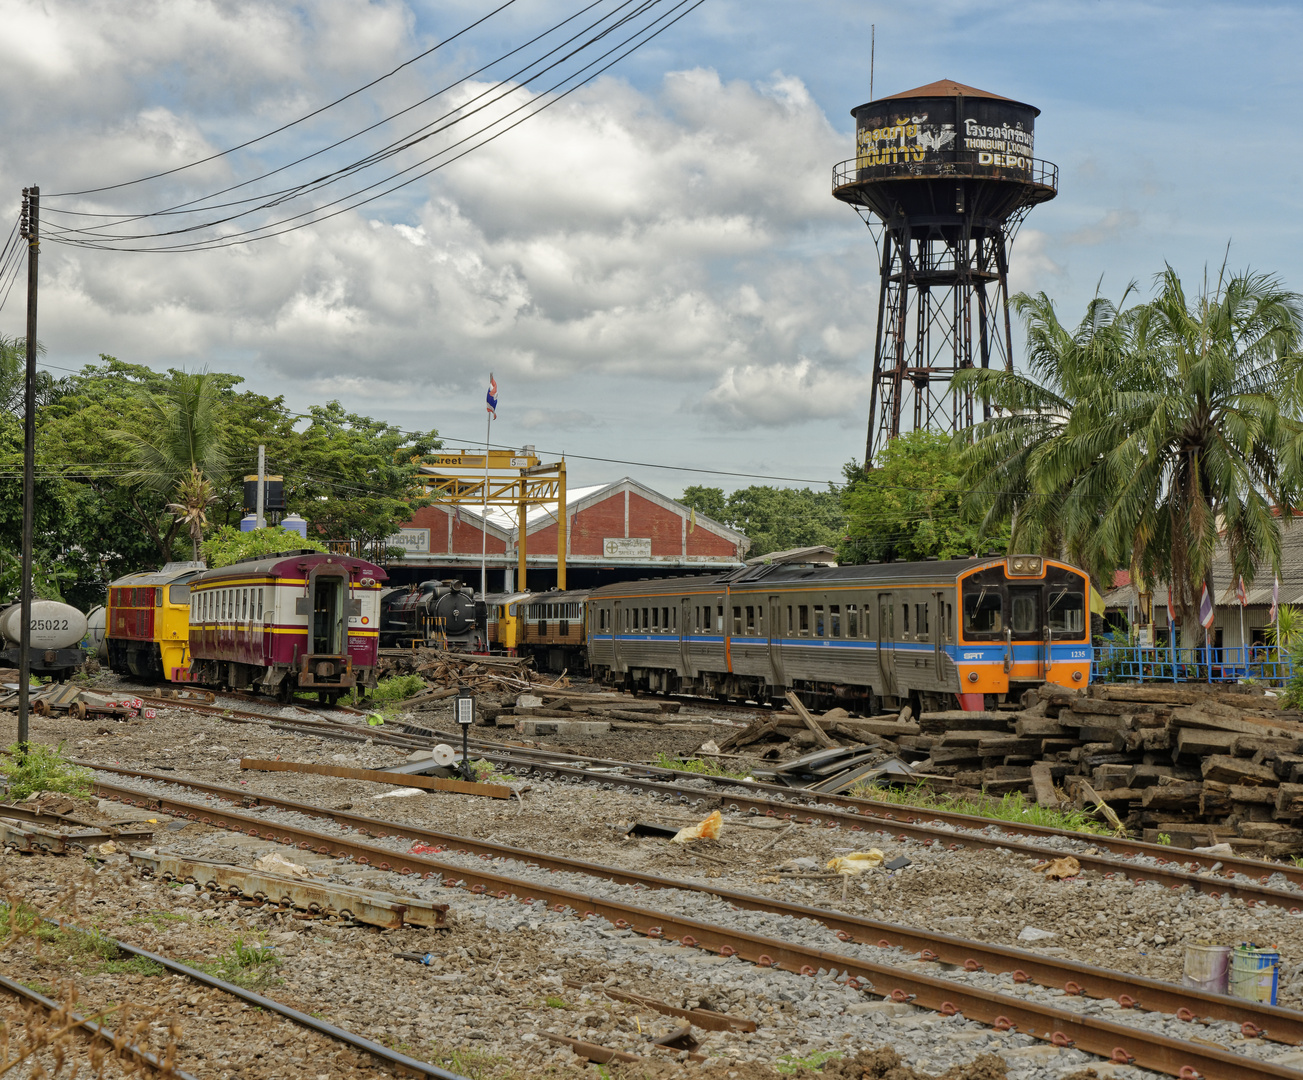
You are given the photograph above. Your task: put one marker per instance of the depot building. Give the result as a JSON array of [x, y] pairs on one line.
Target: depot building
[[616, 532]]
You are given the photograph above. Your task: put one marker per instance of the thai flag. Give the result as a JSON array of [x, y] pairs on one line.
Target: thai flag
[[1206, 612], [492, 397], [1171, 607], [1240, 593]]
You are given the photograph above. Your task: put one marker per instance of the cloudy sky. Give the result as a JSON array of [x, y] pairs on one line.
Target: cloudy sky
[[653, 267]]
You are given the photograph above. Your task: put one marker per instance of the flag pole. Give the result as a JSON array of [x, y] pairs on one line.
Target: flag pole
[[484, 513]]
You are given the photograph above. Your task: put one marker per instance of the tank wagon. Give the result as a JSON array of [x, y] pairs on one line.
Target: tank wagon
[[147, 629], [439, 613], [55, 638], [295, 621], [932, 634]]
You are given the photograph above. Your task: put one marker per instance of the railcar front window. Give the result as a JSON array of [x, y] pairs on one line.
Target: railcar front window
[[1067, 612], [983, 612], [1023, 614]]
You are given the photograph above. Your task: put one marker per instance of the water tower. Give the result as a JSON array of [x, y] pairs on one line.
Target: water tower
[[943, 176]]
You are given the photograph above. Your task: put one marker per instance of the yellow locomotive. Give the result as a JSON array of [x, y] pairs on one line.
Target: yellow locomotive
[[147, 623]]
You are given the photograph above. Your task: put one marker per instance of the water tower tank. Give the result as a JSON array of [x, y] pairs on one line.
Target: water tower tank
[[946, 173]]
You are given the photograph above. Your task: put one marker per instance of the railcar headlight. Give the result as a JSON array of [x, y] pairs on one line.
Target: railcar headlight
[[1076, 676], [972, 676]]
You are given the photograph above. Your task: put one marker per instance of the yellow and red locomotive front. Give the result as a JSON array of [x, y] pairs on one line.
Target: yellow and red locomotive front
[[294, 621]]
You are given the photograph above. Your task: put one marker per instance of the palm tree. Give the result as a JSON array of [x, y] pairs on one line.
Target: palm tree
[[1064, 368], [1189, 430], [177, 449], [195, 494]]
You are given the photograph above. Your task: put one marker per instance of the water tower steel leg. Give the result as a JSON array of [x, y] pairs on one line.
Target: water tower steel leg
[[877, 350]]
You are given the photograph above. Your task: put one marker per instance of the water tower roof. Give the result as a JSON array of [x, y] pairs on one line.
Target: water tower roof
[[950, 88]]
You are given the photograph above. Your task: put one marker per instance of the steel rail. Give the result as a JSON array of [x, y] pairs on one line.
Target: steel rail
[[1174, 878], [1153, 995], [1062, 1027], [97, 1029], [916, 829], [271, 1005], [1254, 868], [865, 809]]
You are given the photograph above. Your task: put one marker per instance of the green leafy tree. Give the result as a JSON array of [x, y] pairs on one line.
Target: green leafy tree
[[181, 449], [1191, 430], [228, 544], [909, 505], [773, 518], [353, 477], [709, 501]]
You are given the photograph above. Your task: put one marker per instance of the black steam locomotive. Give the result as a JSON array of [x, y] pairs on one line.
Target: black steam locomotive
[[433, 614]]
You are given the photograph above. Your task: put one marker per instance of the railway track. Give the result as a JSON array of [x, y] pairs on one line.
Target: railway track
[[100, 1034], [1282, 1025], [1062, 1026], [1243, 879]]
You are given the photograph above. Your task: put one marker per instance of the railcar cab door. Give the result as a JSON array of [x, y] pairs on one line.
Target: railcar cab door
[[329, 588], [1026, 626]]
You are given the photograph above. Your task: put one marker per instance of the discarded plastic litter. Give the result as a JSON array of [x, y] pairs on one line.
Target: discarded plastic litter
[[703, 830], [857, 862], [1058, 869], [1030, 933], [898, 863]]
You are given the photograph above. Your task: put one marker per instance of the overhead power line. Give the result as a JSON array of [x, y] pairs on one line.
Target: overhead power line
[[612, 34]]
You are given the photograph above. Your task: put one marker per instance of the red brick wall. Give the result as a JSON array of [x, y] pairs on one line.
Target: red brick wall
[[591, 526], [466, 537]]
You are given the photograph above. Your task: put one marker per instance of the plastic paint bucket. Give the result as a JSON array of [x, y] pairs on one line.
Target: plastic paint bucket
[[1207, 967], [1254, 973]]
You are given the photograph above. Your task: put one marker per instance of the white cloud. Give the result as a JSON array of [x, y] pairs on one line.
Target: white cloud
[[776, 395]]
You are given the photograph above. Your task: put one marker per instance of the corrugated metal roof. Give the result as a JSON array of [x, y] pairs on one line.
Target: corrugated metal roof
[[1258, 591]]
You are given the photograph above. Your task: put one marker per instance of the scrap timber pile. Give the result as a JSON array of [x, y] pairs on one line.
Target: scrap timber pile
[[445, 672], [1199, 764]]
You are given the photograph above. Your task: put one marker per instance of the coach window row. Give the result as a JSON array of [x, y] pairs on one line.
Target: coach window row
[[227, 605]]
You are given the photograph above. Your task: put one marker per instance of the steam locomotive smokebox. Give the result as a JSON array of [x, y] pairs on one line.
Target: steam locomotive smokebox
[[275, 493]]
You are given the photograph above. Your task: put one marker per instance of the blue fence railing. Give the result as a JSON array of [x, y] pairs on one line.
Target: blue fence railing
[[1165, 663]]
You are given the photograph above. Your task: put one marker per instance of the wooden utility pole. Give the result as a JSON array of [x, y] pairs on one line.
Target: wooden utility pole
[[31, 232]]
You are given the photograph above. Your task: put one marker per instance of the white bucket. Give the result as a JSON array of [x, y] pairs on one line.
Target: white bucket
[[1207, 967]]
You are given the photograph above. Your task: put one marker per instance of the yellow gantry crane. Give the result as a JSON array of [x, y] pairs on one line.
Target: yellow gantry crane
[[507, 478]]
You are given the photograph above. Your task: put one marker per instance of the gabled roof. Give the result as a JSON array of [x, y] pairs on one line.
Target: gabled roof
[[502, 522]]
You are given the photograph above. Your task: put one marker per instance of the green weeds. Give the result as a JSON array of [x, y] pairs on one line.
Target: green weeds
[[792, 1063], [159, 920], [250, 966], [472, 1064], [554, 1002], [1013, 807], [42, 768], [396, 688], [90, 952], [696, 765]]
